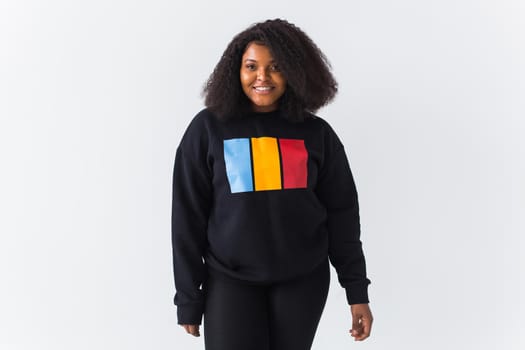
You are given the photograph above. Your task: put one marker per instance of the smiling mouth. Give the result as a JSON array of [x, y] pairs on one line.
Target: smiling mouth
[[263, 88]]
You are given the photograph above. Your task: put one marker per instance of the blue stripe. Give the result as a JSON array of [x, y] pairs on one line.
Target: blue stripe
[[238, 164]]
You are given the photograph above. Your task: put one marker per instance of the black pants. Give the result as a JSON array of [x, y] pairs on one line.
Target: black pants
[[281, 316]]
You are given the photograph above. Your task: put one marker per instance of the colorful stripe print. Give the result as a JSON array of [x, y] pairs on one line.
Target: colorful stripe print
[[265, 163]]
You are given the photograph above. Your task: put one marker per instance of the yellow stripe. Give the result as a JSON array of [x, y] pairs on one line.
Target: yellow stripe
[[266, 168]]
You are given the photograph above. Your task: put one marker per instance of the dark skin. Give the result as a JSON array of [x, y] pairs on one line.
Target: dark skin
[[261, 79], [361, 321], [192, 329], [258, 69]]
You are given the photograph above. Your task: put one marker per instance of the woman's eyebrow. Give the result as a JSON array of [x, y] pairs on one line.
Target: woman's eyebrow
[[254, 60]]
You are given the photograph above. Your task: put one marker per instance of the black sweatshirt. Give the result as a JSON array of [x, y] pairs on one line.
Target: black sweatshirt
[[262, 200]]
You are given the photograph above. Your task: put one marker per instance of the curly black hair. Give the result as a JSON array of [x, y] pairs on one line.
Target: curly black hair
[[310, 83]]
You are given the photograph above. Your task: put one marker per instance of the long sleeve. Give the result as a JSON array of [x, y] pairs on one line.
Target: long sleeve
[[192, 191], [337, 191]]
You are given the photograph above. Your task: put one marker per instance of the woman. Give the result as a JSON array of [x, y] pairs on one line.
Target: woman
[[264, 200]]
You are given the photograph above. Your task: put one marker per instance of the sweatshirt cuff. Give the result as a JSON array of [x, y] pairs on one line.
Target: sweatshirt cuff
[[190, 314], [357, 294]]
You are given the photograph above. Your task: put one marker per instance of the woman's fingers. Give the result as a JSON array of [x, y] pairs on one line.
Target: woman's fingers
[[367, 326], [363, 331], [192, 329], [357, 328], [361, 321]]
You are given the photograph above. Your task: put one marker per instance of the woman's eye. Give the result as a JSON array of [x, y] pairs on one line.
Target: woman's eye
[[250, 66], [274, 68]]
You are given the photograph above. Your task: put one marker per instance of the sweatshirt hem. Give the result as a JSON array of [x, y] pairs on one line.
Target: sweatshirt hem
[[216, 273]]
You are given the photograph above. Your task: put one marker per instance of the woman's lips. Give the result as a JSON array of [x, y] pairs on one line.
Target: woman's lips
[[263, 90]]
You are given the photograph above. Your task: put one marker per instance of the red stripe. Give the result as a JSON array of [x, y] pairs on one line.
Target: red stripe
[[294, 163]]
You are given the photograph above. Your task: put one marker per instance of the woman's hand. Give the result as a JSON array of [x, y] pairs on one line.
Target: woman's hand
[[192, 329], [361, 321]]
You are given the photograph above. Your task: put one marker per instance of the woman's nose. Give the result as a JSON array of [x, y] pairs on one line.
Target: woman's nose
[[262, 74]]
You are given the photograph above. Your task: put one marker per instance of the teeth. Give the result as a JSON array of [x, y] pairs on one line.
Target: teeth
[[263, 88]]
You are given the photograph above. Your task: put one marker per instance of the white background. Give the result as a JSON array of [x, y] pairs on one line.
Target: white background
[[94, 97]]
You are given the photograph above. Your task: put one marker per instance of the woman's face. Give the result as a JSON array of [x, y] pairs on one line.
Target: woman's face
[[261, 79]]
